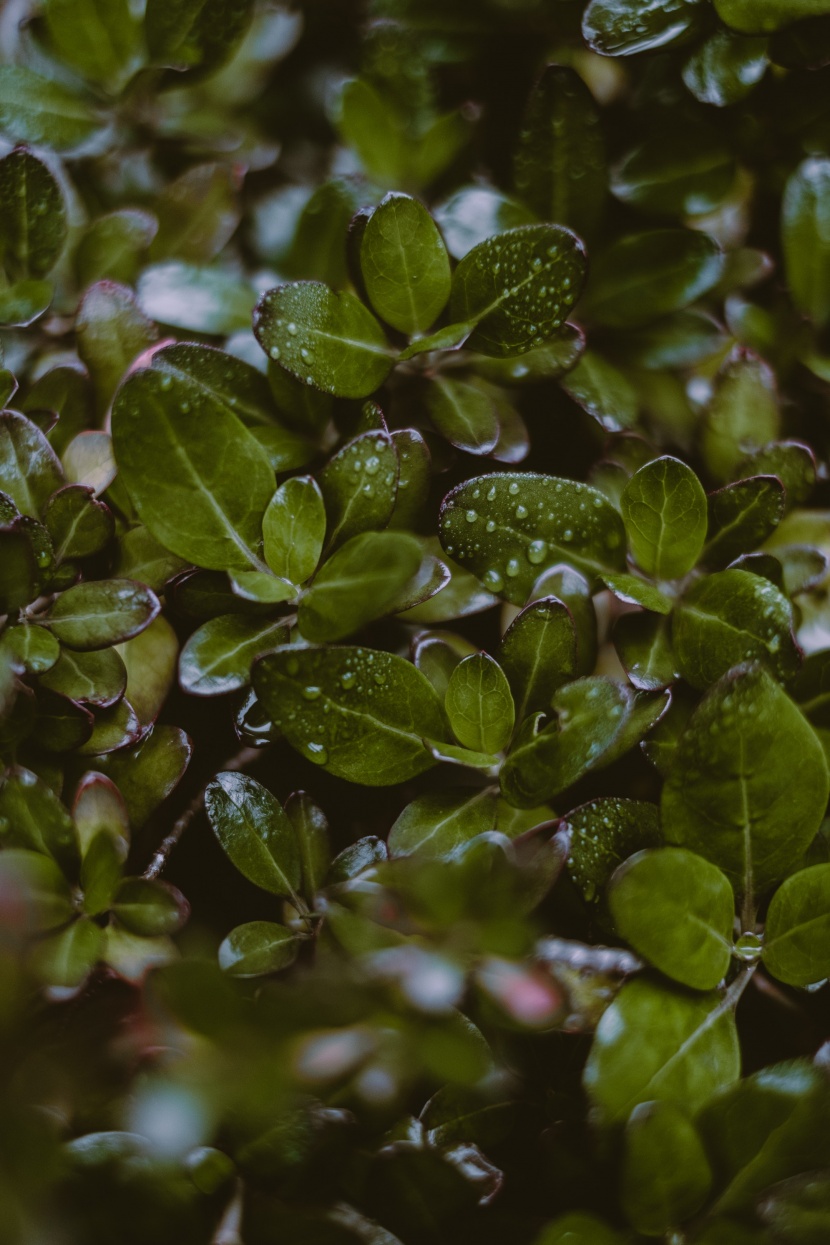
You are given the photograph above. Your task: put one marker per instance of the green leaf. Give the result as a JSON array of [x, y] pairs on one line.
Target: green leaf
[[254, 832], [147, 773], [78, 524], [747, 786], [643, 644], [359, 486], [475, 213], [559, 162], [565, 583], [725, 68], [150, 659], [636, 591], [603, 391], [258, 948], [464, 413], [218, 656], [323, 338], [261, 587], [798, 1210], [32, 647], [741, 517], [359, 583], [686, 1050], [199, 480], [554, 358], [679, 339], [438, 823], [508, 528], [67, 958], [414, 478], [763, 16], [664, 511], [18, 572], [538, 654], [797, 930], [404, 264], [195, 34], [363, 715], [677, 911], [681, 169], [34, 109], [666, 1176], [578, 1228], [730, 617], [604, 833], [149, 908], [100, 39], [24, 302], [39, 888], [96, 678], [197, 213], [293, 529], [113, 246], [311, 830], [479, 704], [195, 297], [32, 215], [500, 284], [647, 275], [29, 468], [625, 27], [743, 414], [804, 237], [34, 818], [112, 332], [791, 461], [99, 614]]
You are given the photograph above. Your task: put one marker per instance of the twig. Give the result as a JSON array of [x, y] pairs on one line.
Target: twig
[[246, 756]]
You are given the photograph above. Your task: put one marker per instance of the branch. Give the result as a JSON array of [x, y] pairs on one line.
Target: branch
[[246, 756]]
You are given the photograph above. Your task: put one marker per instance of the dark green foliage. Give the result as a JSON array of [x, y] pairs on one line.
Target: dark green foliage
[[414, 559]]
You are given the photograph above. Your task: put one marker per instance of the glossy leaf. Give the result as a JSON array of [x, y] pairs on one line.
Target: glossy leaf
[[311, 830], [479, 704], [32, 215], [464, 413], [538, 654], [29, 468], [725, 68], [363, 715], [730, 617], [96, 615], [255, 832], [743, 414], [404, 264], [666, 1176], [664, 511], [625, 27], [149, 908], [100, 39], [359, 486], [323, 338], [647, 275], [508, 528], [293, 529], [806, 248], [257, 948], [357, 584], [680, 169], [604, 833], [147, 773], [749, 795], [499, 285], [190, 34], [643, 644], [78, 524], [218, 656], [603, 391], [741, 517], [797, 930], [96, 678], [34, 109], [677, 911], [685, 1050], [112, 332]]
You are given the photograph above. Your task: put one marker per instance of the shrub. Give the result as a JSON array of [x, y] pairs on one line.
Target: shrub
[[415, 648]]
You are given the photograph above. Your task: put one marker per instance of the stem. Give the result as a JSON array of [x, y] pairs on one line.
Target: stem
[[246, 756]]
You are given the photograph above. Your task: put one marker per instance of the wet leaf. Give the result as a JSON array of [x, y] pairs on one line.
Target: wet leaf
[[255, 832]]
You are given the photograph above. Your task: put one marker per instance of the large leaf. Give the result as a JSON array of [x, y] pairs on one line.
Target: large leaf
[[747, 786], [797, 930], [323, 338], [645, 275], [255, 832], [676, 910], [658, 1044], [32, 215], [507, 529], [197, 477], [359, 583], [363, 715], [518, 288], [664, 511], [104, 612], [38, 110], [404, 264], [730, 617], [559, 165]]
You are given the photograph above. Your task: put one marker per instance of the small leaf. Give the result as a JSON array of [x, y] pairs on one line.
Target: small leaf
[[150, 908], [78, 524], [38, 110], [404, 264], [743, 414], [508, 528], [797, 930], [741, 517], [195, 34], [730, 617], [664, 511], [676, 910], [499, 284], [438, 823], [294, 528], [603, 391], [150, 659], [625, 27], [464, 413], [643, 644], [67, 958], [261, 587], [538, 654], [32, 215], [359, 583], [680, 169], [218, 656], [24, 302], [113, 245], [325, 339], [554, 358], [96, 615], [97, 678], [666, 1176], [636, 591], [363, 715], [725, 68], [255, 832], [479, 704], [29, 468], [197, 213], [791, 461], [750, 794], [33, 648], [804, 237], [646, 275], [311, 830], [197, 477], [359, 486], [686, 1050], [112, 332], [34, 818], [604, 833], [257, 949]]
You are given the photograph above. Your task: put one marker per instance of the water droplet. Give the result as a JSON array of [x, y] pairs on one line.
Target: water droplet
[[166, 382], [513, 490], [537, 551], [317, 753], [492, 580], [471, 516], [292, 328], [521, 511], [513, 567], [311, 692], [348, 679], [274, 352], [567, 534], [748, 948], [491, 493], [491, 525], [372, 464]]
